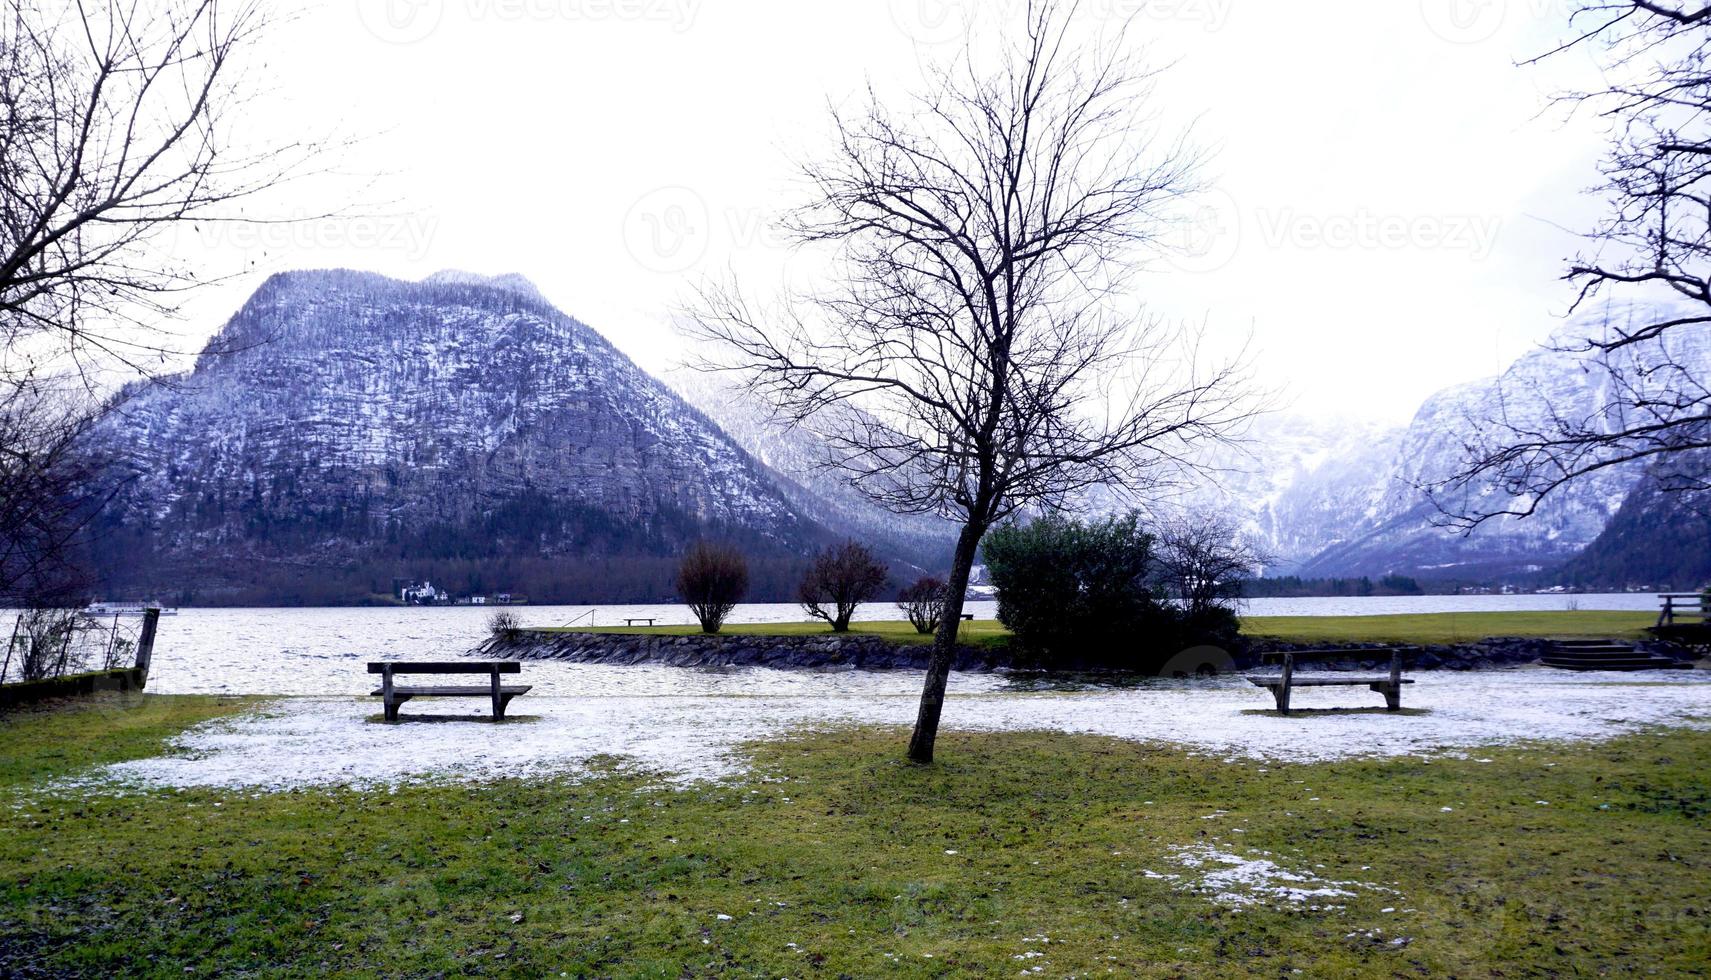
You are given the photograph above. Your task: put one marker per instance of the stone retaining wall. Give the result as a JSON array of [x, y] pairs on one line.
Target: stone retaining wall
[[824, 651], [728, 650]]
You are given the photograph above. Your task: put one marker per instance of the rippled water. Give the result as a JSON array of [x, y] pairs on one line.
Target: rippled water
[[323, 650]]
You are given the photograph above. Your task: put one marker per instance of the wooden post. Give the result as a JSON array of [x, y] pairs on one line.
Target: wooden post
[[1283, 688], [112, 639], [498, 704], [1393, 694], [145, 641], [64, 652], [388, 707]]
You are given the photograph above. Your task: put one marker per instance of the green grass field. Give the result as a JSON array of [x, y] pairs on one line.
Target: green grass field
[[1448, 627], [836, 859], [1421, 628]]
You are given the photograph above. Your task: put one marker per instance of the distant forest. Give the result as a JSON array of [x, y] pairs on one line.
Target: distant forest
[[1291, 586]]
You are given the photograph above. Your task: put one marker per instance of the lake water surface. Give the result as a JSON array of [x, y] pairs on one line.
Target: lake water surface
[[322, 650], [694, 723]]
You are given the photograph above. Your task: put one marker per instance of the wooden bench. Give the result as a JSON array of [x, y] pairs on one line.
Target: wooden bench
[[392, 695], [1389, 685], [1673, 605], [639, 619]]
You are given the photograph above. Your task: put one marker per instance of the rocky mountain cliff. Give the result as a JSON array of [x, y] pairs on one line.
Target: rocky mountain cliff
[[345, 428]]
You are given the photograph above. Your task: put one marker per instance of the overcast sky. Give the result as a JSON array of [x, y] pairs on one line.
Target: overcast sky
[[1389, 212]]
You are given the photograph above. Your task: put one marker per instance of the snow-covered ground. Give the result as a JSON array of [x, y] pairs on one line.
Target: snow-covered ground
[[557, 729]]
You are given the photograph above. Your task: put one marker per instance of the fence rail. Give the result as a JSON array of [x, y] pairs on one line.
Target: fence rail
[[1678, 604], [50, 644]]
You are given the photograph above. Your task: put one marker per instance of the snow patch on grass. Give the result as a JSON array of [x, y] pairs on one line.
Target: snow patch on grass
[[335, 740]]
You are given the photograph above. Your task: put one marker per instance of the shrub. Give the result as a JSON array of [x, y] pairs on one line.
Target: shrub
[[503, 624], [837, 581], [923, 603], [1086, 595], [712, 579], [1203, 560]]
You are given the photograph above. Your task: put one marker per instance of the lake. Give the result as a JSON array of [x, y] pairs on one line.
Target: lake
[[321, 650]]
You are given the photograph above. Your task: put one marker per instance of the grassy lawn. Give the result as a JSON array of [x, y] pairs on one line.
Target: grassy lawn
[[1416, 628], [836, 859]]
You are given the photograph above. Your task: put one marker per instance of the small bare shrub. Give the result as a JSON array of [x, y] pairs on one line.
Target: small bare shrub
[[837, 581], [923, 603], [711, 580], [503, 624]]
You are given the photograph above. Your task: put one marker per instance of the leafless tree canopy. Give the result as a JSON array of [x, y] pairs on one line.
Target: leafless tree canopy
[[1651, 252], [974, 353], [839, 579], [923, 603], [45, 494], [116, 127], [1203, 558], [712, 579]]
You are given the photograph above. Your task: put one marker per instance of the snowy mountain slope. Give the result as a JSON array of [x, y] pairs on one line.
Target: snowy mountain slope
[[1397, 530], [359, 416], [799, 458]]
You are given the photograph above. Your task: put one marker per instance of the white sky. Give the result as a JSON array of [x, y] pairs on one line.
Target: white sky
[[1387, 217]]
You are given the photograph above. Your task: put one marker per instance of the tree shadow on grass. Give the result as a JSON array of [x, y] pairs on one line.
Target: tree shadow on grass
[[1314, 712]]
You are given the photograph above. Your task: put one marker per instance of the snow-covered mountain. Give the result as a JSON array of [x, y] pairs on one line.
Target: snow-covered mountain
[[361, 425], [1384, 523], [800, 459], [1341, 496]]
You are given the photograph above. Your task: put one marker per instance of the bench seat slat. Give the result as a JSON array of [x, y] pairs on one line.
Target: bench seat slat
[[453, 691], [447, 667], [1299, 681]]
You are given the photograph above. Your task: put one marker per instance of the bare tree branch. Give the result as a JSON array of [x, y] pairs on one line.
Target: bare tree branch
[[973, 355]]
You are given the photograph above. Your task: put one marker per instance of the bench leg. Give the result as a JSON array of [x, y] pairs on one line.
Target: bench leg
[[392, 704], [1392, 695], [1281, 693]]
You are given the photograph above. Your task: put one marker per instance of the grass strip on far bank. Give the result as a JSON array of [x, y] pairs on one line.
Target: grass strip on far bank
[[1073, 854], [1450, 627], [979, 632], [1418, 628]]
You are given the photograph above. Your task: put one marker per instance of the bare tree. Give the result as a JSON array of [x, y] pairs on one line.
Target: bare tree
[[712, 580], [47, 492], [839, 579], [1203, 558], [973, 354], [116, 127], [923, 603], [1648, 261]]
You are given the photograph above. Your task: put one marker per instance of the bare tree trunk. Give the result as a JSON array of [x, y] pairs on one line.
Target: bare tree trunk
[[944, 648]]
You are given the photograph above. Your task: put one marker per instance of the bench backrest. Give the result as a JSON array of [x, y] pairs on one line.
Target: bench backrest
[[446, 667], [1289, 657]]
